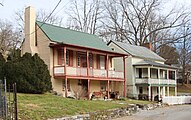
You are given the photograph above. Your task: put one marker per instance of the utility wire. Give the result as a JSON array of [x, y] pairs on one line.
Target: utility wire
[[51, 13], [43, 22]]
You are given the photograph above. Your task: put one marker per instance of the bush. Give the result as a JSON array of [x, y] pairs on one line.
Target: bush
[[29, 72]]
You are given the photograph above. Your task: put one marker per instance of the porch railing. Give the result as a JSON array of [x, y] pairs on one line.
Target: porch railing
[[155, 81], [115, 74], [79, 71]]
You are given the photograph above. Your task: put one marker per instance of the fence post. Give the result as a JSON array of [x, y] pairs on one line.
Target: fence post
[[15, 100], [5, 87]]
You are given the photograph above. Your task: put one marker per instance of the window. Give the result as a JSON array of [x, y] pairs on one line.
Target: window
[[110, 60], [69, 57], [60, 56], [91, 60], [103, 85], [140, 72], [154, 73], [113, 49], [172, 75], [81, 59]]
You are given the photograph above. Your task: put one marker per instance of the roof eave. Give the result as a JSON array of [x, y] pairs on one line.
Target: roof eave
[[62, 43]]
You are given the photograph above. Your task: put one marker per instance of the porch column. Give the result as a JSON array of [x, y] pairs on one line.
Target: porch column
[[149, 92], [107, 64], [175, 91], [108, 90], [53, 52], [168, 76], [164, 91], [159, 76], [176, 77], [168, 90], [88, 63], [159, 92], [124, 67], [65, 60], [89, 89], [149, 74], [66, 87]]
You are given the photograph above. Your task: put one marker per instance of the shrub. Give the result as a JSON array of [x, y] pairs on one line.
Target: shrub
[[29, 72]]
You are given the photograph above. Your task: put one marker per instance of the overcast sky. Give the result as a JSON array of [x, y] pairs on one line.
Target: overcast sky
[[9, 7]]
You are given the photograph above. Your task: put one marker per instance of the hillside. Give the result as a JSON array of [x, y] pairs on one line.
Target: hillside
[[186, 88]]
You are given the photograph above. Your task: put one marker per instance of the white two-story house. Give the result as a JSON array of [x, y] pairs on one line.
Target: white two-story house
[[146, 73]]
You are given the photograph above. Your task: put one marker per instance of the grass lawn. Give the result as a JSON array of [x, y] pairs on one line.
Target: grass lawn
[[43, 106]]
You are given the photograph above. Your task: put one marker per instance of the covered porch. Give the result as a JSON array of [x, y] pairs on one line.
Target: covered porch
[[155, 93], [92, 88], [155, 79]]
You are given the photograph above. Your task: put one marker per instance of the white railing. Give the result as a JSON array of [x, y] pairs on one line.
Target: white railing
[[171, 100], [173, 82], [99, 73], [141, 80], [59, 70], [164, 81], [71, 71], [155, 81], [81, 71], [115, 74]]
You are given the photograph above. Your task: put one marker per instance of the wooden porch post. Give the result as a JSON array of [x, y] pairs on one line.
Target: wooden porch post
[[108, 89], [65, 60], [89, 89], [88, 63], [66, 87], [53, 58], [124, 66], [107, 64]]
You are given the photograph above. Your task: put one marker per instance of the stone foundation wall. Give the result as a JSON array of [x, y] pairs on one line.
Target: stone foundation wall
[[112, 113]]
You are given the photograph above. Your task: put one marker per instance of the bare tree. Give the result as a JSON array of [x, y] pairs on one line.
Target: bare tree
[[42, 15], [10, 38], [140, 21], [169, 53], [185, 52], [84, 15]]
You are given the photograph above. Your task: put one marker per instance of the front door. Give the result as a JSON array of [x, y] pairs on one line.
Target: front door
[[81, 60]]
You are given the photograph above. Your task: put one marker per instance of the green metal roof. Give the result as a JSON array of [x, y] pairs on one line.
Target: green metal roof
[[138, 51], [72, 37]]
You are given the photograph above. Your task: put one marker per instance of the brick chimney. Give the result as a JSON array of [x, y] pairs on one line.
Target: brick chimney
[[148, 45], [29, 30]]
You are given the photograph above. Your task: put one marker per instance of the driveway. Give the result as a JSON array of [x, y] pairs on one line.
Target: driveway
[[178, 112]]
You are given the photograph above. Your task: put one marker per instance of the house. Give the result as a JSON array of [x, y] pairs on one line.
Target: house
[[80, 64], [146, 72]]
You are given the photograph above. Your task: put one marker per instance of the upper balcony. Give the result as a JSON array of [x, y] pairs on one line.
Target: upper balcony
[[85, 64], [155, 76], [85, 72]]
